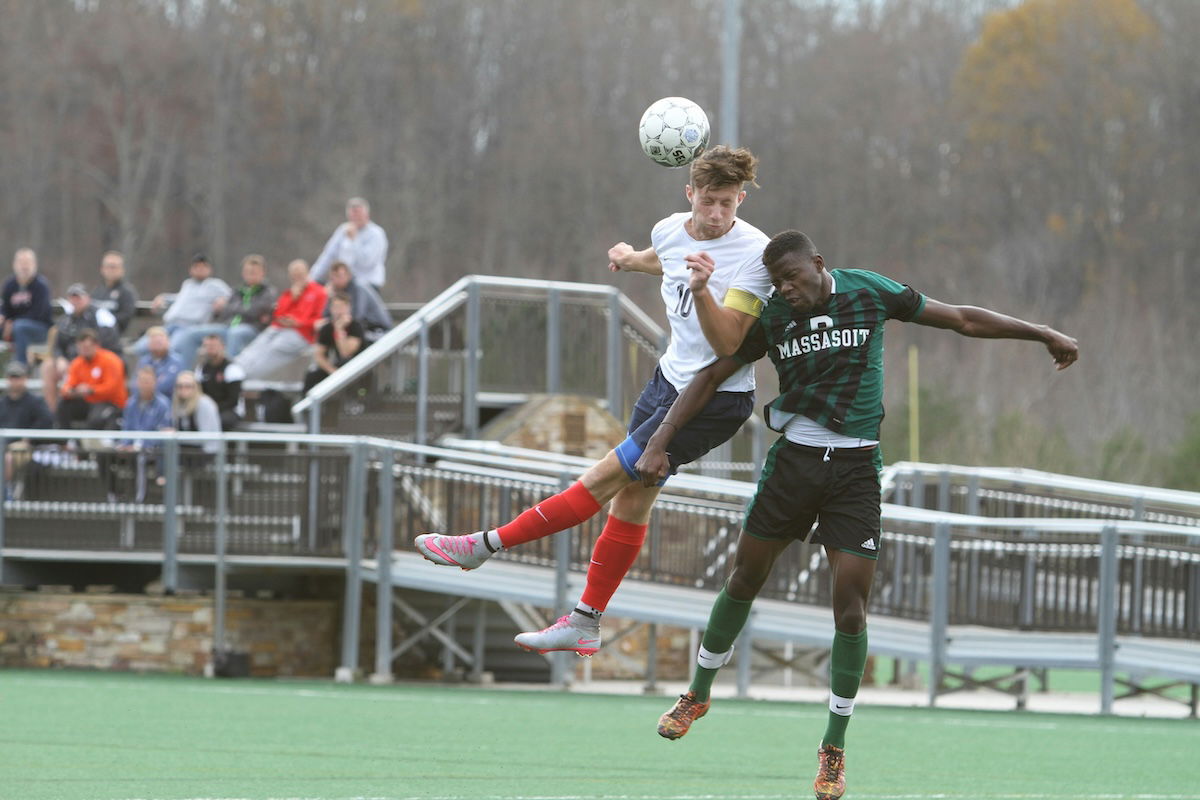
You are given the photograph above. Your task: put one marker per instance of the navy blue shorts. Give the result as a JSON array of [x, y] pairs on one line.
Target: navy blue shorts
[[714, 425]]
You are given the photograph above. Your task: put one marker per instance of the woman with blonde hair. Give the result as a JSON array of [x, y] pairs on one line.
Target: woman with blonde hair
[[192, 410]]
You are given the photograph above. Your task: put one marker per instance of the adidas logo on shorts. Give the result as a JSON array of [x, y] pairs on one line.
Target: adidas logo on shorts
[[869, 544]]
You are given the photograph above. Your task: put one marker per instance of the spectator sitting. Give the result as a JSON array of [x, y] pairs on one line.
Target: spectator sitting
[[221, 379], [166, 365], [240, 316], [366, 306], [360, 243], [147, 410], [94, 391], [115, 294], [192, 410], [337, 342], [290, 334], [65, 335], [25, 305], [193, 305], [20, 409]]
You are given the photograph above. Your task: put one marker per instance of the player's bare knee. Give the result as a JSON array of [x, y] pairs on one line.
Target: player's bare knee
[[605, 478], [633, 503]]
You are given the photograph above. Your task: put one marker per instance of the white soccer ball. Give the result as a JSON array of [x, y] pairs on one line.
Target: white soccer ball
[[673, 131]]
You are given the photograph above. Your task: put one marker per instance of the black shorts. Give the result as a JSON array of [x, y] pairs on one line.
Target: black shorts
[[714, 425], [799, 487]]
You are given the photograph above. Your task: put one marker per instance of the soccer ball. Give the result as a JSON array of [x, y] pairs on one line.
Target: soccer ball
[[673, 131]]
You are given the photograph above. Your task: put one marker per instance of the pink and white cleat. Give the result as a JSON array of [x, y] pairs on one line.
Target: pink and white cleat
[[464, 552], [562, 635]]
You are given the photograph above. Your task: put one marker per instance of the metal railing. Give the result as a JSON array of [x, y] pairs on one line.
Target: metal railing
[[1010, 492], [490, 340]]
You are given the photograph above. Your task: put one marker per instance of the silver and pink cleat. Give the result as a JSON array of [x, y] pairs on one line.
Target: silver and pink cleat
[[464, 552], [562, 635]]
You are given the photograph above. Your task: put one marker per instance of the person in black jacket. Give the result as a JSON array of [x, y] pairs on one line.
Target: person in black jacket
[[25, 305], [115, 294], [221, 379], [20, 409]]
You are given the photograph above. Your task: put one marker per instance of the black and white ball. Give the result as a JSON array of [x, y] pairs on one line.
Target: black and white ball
[[673, 131]]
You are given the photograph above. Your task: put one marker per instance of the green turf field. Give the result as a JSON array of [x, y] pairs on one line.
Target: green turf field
[[92, 736]]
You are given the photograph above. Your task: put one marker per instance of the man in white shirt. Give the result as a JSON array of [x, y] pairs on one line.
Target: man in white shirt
[[194, 304], [714, 287], [360, 243]]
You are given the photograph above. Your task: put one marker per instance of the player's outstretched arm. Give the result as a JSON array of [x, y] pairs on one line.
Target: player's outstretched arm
[[654, 465], [983, 323], [623, 258]]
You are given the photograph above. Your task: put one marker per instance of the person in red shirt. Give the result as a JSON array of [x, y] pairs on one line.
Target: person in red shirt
[[289, 337], [94, 392]]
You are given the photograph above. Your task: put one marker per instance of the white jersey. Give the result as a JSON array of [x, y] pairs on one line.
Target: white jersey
[[739, 281]]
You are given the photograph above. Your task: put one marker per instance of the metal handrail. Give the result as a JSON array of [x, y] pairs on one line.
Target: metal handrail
[[449, 300], [519, 460], [383, 347], [1091, 486]]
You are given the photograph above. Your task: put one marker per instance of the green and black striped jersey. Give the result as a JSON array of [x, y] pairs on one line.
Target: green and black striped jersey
[[830, 360]]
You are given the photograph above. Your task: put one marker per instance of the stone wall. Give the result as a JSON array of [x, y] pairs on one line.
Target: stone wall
[[149, 633], [558, 423]]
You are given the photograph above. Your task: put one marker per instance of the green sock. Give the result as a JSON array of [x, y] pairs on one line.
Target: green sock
[[847, 661], [725, 622]]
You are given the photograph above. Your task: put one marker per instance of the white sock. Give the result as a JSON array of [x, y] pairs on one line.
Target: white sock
[[842, 706], [711, 660], [584, 607], [492, 540]]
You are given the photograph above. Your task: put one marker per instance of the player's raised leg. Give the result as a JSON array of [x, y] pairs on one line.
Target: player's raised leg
[[573, 505], [613, 554], [852, 577], [751, 566]]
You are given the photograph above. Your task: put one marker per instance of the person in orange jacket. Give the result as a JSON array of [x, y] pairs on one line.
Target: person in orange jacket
[[94, 392]]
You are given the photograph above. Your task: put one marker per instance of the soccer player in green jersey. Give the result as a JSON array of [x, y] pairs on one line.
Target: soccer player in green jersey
[[823, 331]]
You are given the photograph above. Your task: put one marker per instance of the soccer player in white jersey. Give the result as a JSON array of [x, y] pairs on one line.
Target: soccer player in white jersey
[[714, 286]]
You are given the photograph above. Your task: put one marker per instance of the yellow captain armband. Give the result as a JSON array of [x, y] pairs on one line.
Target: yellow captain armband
[[743, 301]]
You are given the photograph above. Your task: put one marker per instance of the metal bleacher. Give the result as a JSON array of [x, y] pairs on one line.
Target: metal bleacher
[[955, 591]]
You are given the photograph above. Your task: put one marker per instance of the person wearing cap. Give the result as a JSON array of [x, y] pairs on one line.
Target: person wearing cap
[[359, 243], [20, 409], [25, 305], [115, 293], [94, 392], [239, 317], [199, 298], [81, 315]]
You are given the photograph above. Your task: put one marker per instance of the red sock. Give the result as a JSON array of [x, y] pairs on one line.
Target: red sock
[[564, 510], [614, 553]]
